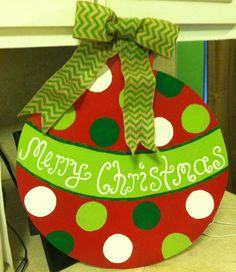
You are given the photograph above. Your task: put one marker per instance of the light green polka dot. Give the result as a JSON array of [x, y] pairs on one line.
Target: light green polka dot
[[174, 243], [66, 120], [195, 118], [121, 99], [91, 216]]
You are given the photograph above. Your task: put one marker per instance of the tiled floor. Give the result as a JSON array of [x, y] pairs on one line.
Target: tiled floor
[[206, 255]]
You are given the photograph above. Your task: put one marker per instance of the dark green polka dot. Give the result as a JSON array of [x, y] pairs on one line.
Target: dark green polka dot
[[61, 240], [146, 215], [168, 85], [104, 132]]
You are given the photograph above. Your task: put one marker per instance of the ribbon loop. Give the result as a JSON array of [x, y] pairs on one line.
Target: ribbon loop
[[157, 35], [90, 22]]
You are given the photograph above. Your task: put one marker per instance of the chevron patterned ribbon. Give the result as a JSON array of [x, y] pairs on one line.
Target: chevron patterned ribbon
[[103, 35]]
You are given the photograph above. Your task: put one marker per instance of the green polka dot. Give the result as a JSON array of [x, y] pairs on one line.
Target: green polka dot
[[195, 118], [121, 99], [91, 216], [104, 132], [168, 85], [61, 240], [174, 243], [66, 120], [146, 215]]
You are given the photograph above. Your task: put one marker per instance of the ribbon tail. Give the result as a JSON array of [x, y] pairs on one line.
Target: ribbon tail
[[59, 93], [138, 96]]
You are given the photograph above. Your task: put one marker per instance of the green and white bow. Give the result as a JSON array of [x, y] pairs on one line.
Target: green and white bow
[[103, 35]]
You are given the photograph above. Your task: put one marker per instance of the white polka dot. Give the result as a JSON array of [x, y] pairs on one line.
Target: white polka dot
[[199, 204], [102, 82], [118, 248], [163, 131], [40, 201]]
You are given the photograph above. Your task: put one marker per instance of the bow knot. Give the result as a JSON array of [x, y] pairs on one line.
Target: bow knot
[[123, 28], [98, 23]]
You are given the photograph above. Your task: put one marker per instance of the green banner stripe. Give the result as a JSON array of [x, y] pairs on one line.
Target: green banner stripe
[[105, 175], [124, 199], [98, 149]]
